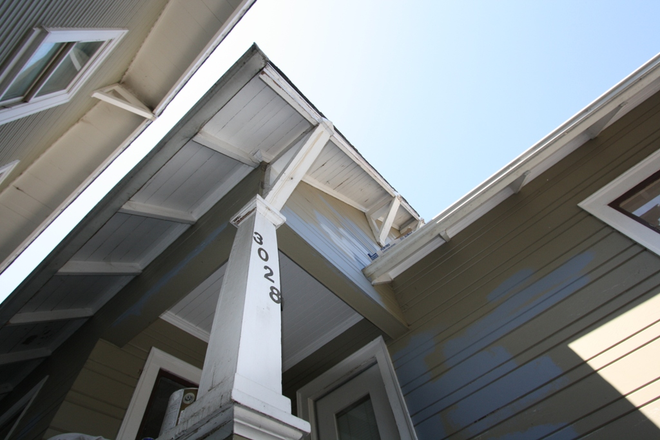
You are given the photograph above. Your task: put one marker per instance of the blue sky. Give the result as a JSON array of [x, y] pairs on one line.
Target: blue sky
[[439, 95]]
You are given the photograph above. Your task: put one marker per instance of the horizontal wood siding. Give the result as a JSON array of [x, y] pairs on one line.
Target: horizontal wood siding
[[28, 138], [97, 402], [504, 316]]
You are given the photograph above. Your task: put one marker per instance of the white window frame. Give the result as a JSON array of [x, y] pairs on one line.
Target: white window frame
[[156, 361], [373, 353], [598, 203], [31, 44]]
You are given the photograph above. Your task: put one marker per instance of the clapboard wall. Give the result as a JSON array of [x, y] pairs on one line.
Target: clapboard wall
[[97, 402], [501, 316]]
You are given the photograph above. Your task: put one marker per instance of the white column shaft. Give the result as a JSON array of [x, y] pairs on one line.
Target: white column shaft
[[245, 346]]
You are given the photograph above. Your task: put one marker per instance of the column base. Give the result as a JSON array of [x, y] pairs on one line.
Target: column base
[[243, 416]]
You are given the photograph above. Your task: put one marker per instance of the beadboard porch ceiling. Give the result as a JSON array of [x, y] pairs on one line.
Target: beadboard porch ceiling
[[259, 123]]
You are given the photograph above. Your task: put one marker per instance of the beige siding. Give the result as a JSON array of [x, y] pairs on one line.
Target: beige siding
[[97, 402], [497, 314], [27, 138]]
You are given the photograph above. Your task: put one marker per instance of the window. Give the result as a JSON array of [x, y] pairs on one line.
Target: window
[[157, 363], [50, 66], [631, 203]]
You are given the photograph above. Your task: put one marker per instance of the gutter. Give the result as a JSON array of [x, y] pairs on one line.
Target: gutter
[[569, 136]]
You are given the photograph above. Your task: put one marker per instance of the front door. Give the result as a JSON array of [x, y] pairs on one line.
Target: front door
[[357, 410]]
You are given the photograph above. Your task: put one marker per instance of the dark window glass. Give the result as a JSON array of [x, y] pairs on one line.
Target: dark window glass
[[642, 203], [166, 384], [358, 422]]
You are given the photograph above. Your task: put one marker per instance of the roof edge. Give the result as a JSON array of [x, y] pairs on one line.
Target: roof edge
[[577, 130]]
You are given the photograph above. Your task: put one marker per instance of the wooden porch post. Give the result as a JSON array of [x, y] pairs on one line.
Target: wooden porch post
[[241, 387]]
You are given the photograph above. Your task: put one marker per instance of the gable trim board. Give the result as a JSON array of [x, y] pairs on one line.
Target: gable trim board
[[585, 125]]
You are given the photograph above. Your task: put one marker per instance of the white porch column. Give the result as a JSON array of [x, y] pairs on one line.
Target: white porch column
[[241, 386]]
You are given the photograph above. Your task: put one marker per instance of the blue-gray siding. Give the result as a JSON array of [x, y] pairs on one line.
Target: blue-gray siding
[[492, 313]]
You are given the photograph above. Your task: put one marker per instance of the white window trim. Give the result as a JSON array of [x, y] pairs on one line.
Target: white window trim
[[156, 361], [31, 43], [22, 405], [373, 353], [598, 203]]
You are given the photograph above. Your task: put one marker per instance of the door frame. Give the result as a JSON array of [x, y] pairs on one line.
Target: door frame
[[374, 353]]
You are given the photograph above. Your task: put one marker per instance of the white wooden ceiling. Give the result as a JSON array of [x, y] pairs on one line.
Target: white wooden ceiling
[[311, 314], [261, 123]]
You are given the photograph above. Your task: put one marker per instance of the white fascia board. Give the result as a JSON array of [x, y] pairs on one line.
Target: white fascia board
[[548, 151], [200, 60]]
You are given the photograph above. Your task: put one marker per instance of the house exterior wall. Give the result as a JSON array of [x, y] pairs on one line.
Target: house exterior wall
[[27, 138], [498, 313], [340, 236], [99, 398]]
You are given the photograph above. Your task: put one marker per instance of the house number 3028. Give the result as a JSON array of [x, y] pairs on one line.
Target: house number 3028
[[274, 293]]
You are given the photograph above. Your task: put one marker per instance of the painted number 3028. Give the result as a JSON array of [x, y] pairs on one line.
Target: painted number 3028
[[274, 293]]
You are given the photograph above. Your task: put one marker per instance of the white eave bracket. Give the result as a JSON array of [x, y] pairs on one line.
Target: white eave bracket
[[118, 96], [381, 233], [292, 173]]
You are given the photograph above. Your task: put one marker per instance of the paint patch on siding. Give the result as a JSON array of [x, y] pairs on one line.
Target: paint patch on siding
[[469, 382]]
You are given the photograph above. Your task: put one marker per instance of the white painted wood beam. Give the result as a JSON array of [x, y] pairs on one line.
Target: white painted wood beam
[[378, 206], [389, 219], [25, 355], [157, 212], [186, 326], [337, 195], [99, 268], [118, 96], [374, 228], [222, 147], [50, 315], [293, 173]]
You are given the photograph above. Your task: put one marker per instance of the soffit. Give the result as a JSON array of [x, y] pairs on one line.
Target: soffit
[[311, 314], [256, 122]]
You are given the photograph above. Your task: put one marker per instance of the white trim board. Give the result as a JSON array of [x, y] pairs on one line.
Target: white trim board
[[156, 361], [374, 352], [598, 203]]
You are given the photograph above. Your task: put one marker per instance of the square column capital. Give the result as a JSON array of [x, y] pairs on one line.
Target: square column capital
[[262, 207]]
